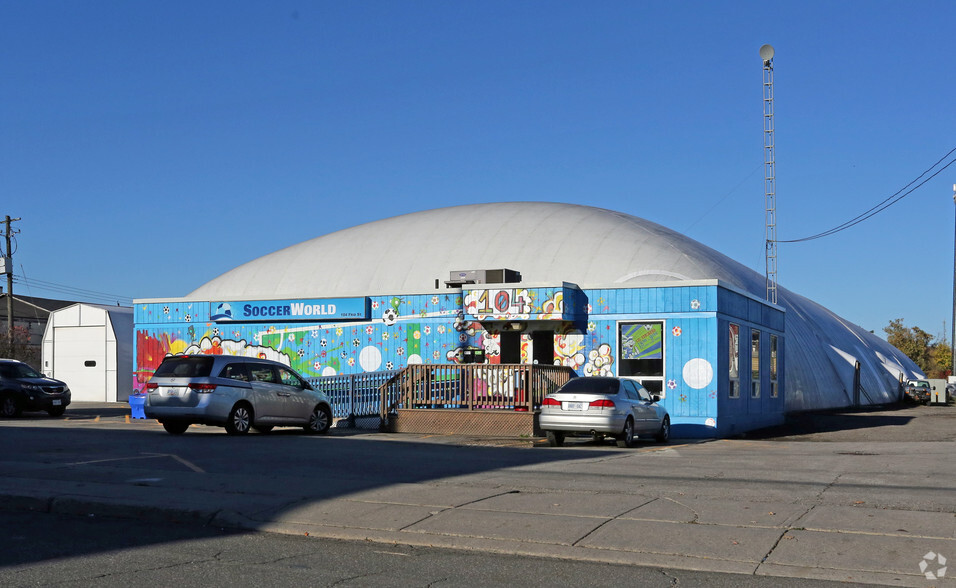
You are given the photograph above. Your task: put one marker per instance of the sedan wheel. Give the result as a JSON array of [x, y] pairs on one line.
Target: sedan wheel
[[175, 427], [555, 438], [319, 421], [9, 407], [626, 438], [665, 433], [239, 421]]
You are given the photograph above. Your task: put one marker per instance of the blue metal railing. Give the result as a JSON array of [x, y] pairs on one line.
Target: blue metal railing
[[354, 395]]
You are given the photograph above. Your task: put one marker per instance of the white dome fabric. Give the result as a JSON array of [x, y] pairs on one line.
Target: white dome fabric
[[551, 243]]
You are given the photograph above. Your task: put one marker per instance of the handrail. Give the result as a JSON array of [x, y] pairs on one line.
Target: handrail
[[519, 387]]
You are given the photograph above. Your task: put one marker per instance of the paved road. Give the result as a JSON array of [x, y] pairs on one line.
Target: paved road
[[861, 503], [40, 549]]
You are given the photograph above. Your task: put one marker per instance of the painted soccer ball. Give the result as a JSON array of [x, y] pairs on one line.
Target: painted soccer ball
[[389, 316]]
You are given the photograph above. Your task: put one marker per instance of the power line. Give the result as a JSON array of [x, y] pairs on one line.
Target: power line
[[103, 297], [886, 203]]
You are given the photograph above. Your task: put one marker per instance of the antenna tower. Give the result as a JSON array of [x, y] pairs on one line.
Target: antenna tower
[[769, 182]]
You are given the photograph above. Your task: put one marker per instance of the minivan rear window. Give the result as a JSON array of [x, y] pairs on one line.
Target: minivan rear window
[[185, 366]]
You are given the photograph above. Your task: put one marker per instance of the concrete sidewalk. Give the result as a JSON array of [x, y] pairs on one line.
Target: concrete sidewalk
[[845, 543], [843, 518]]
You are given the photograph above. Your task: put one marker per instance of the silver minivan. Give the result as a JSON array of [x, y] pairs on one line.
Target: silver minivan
[[234, 392]]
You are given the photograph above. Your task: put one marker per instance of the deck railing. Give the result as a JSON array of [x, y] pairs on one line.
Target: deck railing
[[517, 387], [354, 395]]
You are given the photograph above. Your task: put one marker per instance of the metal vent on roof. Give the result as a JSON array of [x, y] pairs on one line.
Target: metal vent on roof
[[459, 278]]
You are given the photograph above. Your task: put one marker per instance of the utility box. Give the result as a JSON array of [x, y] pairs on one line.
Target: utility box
[[937, 391]]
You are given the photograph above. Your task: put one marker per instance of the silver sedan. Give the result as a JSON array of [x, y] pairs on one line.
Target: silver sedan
[[601, 406]]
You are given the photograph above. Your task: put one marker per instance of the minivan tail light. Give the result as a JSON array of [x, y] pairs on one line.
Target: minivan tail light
[[202, 388], [151, 385], [603, 403], [550, 402]]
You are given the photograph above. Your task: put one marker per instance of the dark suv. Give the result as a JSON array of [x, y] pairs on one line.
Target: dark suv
[[23, 388]]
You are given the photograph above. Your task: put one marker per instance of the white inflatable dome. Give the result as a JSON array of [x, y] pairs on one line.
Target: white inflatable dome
[[550, 243]]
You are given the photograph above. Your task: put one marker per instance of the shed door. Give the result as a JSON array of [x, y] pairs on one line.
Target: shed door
[[79, 359]]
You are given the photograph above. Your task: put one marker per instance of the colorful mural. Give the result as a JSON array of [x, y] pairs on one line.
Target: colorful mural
[[594, 332]]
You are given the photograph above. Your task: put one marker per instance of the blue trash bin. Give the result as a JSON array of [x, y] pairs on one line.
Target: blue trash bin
[[136, 403]]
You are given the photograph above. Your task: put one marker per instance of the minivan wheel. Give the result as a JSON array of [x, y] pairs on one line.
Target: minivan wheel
[[240, 419], [9, 406], [319, 421], [626, 438], [175, 427]]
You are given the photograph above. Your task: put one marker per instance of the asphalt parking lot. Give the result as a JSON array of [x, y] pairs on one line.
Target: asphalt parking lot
[[885, 423], [849, 495]]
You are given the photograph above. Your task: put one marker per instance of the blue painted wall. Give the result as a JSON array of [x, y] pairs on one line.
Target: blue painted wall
[[435, 328]]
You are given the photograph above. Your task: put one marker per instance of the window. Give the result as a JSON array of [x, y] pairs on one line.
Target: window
[[734, 363], [185, 366], [630, 390], [755, 364], [235, 371], [262, 373], [289, 379], [641, 351], [773, 366]]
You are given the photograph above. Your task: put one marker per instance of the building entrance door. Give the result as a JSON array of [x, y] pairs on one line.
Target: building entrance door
[[542, 343], [510, 347]]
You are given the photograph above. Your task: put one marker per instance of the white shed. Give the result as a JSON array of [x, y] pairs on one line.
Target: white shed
[[90, 347]]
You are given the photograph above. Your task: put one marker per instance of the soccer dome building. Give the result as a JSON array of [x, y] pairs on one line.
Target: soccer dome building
[[600, 291]]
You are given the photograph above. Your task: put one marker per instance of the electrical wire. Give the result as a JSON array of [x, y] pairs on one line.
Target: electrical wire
[[89, 295], [886, 203]]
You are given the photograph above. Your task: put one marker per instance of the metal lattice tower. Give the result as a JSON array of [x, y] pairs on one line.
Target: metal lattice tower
[[769, 182]]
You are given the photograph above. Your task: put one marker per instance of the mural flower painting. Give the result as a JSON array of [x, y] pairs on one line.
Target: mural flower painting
[[600, 361]]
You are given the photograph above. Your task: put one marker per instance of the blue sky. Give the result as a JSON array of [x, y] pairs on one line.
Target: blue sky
[[149, 147]]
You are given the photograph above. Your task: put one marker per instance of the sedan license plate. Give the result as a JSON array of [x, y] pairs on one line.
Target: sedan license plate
[[573, 406], [57, 402]]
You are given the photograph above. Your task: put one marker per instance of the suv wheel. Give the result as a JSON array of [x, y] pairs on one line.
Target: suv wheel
[[9, 406]]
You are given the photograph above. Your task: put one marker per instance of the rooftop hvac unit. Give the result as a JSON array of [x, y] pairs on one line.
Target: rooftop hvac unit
[[456, 279]]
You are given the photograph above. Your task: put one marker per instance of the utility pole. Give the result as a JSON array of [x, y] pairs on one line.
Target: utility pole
[[8, 269], [952, 338]]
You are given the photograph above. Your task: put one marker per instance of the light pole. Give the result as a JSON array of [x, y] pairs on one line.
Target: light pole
[[952, 337]]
